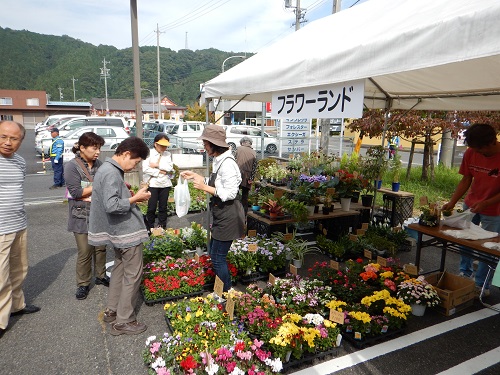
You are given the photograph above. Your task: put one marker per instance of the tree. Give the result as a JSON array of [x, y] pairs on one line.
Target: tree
[[421, 127], [196, 112]]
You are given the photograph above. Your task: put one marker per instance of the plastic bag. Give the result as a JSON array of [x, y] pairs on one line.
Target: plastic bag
[[181, 197], [460, 220]]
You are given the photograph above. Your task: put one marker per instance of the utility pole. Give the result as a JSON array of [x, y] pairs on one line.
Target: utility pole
[[137, 71], [61, 97], [158, 67], [74, 91], [186, 41], [105, 74], [298, 12]]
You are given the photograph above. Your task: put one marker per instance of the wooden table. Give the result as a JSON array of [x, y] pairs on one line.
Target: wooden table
[[470, 248], [335, 223]]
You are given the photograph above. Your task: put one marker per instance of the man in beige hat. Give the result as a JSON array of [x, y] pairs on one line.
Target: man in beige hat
[[228, 218]]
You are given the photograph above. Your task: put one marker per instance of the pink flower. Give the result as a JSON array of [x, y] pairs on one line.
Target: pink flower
[[154, 347]]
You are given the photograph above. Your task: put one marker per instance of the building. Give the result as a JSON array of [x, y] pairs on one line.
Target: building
[[30, 107]]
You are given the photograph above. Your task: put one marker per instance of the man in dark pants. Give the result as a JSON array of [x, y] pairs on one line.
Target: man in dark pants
[[56, 158]]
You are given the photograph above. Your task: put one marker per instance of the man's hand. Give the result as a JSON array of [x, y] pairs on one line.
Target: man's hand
[[447, 206]]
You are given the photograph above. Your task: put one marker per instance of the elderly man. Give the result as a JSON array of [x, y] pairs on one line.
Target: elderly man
[[13, 223], [246, 158]]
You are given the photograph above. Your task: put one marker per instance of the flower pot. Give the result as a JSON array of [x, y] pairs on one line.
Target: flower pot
[[355, 197], [248, 271], [310, 210], [273, 215], [395, 186], [297, 263], [367, 200], [199, 251], [289, 255], [378, 184], [345, 204], [326, 210], [287, 356], [418, 310], [255, 207]]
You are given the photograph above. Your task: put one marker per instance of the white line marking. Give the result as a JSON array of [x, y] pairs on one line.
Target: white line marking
[[375, 351], [38, 203], [476, 364]]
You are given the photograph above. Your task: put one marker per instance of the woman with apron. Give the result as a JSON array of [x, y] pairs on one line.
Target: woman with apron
[[228, 218]]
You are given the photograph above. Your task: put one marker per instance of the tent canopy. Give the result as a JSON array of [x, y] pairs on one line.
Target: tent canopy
[[425, 54]]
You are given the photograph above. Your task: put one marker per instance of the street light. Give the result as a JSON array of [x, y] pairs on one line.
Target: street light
[[231, 57], [152, 95]]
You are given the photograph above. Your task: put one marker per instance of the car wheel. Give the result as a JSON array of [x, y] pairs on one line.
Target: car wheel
[[271, 149]]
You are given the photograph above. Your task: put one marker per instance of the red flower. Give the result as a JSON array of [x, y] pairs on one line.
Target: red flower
[[189, 363]]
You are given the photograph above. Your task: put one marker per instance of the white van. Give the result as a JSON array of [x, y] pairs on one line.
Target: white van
[[52, 120]]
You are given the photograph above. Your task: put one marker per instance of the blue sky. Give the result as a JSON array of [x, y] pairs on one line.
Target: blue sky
[[227, 25]]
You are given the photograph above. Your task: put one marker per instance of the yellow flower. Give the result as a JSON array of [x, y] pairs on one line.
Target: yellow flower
[[387, 275], [199, 313], [188, 317], [336, 305], [167, 306]]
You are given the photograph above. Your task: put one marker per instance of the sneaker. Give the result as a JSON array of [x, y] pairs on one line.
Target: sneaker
[[102, 280], [486, 292], [130, 328], [109, 316], [82, 292]]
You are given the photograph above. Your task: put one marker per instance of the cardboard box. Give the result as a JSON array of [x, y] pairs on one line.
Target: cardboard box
[[456, 292]]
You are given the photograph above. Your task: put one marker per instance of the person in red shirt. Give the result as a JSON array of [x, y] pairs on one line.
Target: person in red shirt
[[481, 181]]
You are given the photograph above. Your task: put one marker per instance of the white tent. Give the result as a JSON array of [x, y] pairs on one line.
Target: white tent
[[441, 54]]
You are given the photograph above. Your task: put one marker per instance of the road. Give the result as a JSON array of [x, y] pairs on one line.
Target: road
[[68, 336]]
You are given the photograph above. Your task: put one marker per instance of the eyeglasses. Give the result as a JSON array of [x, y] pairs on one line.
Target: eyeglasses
[[4, 139]]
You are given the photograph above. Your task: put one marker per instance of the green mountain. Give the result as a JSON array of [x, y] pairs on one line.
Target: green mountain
[[32, 61]]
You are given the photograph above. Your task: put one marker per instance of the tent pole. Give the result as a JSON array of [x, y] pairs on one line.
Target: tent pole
[[207, 120]]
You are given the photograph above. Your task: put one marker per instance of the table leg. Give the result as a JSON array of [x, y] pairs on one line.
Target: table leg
[[419, 248], [443, 256]]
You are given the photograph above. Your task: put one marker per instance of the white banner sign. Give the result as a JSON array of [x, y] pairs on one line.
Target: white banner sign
[[341, 100]]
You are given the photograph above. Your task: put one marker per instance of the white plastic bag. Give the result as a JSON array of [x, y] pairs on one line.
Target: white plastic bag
[[181, 197], [460, 220]]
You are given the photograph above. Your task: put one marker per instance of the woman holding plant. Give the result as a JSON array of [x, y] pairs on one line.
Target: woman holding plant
[[228, 217]]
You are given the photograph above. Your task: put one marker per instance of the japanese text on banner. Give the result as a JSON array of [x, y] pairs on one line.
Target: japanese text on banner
[[343, 100]]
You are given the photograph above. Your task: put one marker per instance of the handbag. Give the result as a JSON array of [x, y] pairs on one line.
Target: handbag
[[67, 194], [181, 197]]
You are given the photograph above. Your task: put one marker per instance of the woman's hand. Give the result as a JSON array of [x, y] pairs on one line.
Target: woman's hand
[[198, 180], [142, 195]]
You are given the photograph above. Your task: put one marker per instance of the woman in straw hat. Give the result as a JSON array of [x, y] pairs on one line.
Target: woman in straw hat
[[228, 218], [157, 169]]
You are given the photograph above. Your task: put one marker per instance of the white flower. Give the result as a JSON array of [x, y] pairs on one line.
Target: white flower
[[275, 364], [315, 319], [212, 369], [237, 371], [150, 339], [158, 363]]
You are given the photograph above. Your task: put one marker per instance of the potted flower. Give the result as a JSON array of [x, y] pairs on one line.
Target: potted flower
[[297, 209], [348, 184], [273, 208], [395, 168], [373, 166], [254, 198], [195, 237], [245, 261], [419, 294]]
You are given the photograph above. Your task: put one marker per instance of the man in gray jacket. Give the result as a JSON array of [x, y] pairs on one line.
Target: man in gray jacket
[[116, 220]]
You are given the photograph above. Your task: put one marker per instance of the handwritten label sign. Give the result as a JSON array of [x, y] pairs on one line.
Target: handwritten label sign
[[252, 233], [325, 231], [368, 254], [278, 193], [353, 237], [330, 191], [360, 232], [272, 279], [252, 248], [218, 286], [334, 264], [288, 236], [424, 201], [364, 226], [316, 184], [382, 261], [196, 257], [410, 269], [336, 316], [230, 307], [293, 269]]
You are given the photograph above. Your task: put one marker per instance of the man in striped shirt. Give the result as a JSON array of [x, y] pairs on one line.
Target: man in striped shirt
[[13, 223]]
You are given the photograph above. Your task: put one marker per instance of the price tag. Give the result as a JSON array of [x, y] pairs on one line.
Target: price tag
[[278, 193], [218, 286], [272, 279], [396, 229], [293, 269], [360, 232], [230, 307], [410, 269], [252, 248], [353, 237], [364, 226], [382, 261], [368, 254], [330, 191], [334, 264], [424, 201], [196, 257], [252, 233], [316, 184], [288, 236], [325, 231], [336, 316]]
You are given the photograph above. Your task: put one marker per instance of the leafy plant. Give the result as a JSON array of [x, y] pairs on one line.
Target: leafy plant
[[297, 209], [158, 248], [273, 206], [300, 248]]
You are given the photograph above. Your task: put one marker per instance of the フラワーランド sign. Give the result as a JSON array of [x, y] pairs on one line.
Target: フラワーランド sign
[[341, 100]]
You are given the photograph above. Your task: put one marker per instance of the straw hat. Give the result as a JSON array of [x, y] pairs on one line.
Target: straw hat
[[214, 134]]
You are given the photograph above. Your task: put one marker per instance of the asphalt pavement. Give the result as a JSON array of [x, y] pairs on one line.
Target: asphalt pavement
[[68, 336]]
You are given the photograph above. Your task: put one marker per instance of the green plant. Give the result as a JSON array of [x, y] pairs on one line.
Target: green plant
[[262, 165], [273, 206], [395, 167], [297, 209], [158, 248], [300, 248], [372, 167]]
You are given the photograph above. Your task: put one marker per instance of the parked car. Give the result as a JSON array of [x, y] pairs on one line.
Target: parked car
[[235, 132], [113, 136], [53, 120], [76, 123]]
